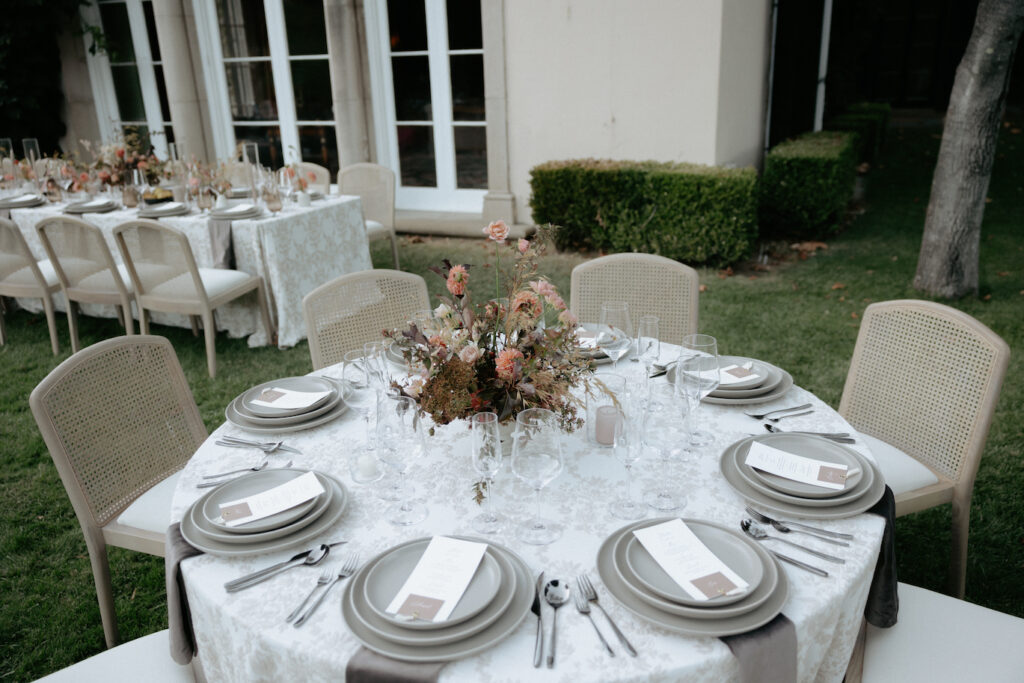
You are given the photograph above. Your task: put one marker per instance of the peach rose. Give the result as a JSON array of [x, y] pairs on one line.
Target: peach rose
[[470, 354], [528, 303], [523, 246], [567, 318], [497, 231], [506, 363], [457, 279]]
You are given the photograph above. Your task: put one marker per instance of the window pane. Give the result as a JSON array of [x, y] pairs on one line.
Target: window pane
[[251, 89], [407, 20], [464, 31], [320, 146], [471, 157], [269, 140], [243, 28], [412, 88], [312, 82], [154, 44], [117, 31], [304, 24], [129, 93], [161, 88], [467, 87], [416, 156]]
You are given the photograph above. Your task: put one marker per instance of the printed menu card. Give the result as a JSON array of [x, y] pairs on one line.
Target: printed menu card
[[440, 578], [829, 475], [287, 399], [270, 502], [689, 562]]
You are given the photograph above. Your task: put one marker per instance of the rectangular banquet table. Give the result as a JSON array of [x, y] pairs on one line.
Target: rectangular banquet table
[[243, 636], [294, 251]]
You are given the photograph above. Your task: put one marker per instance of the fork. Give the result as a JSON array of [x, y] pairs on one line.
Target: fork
[[758, 416], [348, 568], [783, 417], [583, 607], [211, 484], [587, 589], [325, 578], [256, 468], [265, 446]]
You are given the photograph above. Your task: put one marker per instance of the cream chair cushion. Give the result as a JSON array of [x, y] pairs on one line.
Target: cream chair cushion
[[941, 639], [103, 281], [152, 510], [144, 659], [25, 276], [216, 281], [902, 473]]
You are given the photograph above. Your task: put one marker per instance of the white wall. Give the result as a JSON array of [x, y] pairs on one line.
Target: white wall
[[743, 82]]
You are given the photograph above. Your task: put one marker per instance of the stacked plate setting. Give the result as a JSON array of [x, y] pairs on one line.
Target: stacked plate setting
[[237, 213], [767, 384], [91, 206], [165, 209], [791, 498], [23, 201], [244, 413], [495, 602], [639, 583], [203, 527]]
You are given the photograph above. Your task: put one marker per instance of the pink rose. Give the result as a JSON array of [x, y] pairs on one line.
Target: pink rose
[[104, 175], [523, 246], [143, 166], [567, 318], [528, 303], [114, 179], [506, 363], [544, 288], [497, 231], [457, 279], [120, 152], [470, 354]]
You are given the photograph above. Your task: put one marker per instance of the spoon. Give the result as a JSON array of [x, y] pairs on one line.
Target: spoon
[[556, 592], [759, 534], [787, 558], [257, 468], [765, 519], [314, 557], [841, 437], [782, 528]]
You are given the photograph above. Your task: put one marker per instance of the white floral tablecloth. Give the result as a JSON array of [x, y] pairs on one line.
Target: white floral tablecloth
[[243, 636], [294, 251]]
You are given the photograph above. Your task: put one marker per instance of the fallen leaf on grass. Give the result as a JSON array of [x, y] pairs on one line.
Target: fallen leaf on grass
[[808, 246], [842, 298], [854, 316], [796, 287], [704, 288], [895, 258], [838, 285], [1015, 131], [987, 297], [725, 273], [414, 239], [1003, 273], [751, 277], [988, 200]]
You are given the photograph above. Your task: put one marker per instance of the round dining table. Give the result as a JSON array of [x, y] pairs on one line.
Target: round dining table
[[243, 636]]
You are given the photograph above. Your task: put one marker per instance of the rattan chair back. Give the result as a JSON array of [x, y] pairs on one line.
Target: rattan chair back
[[15, 256], [375, 185], [320, 180]]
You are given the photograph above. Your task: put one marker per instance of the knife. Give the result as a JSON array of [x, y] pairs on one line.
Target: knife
[[538, 647], [241, 580]]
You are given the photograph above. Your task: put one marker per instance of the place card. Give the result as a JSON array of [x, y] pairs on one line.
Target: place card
[[288, 399], [440, 578], [829, 475], [733, 374], [270, 502], [689, 562]]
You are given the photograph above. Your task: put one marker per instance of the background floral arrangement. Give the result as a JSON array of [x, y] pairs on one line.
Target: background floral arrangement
[[497, 355]]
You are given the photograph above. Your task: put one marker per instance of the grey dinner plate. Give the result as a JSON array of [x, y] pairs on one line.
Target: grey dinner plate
[[200, 540], [725, 626], [85, 207], [779, 391], [155, 212], [807, 446], [331, 402], [307, 383], [228, 215], [805, 508], [503, 626], [250, 484], [256, 427], [17, 203], [770, 377], [388, 576], [762, 373], [731, 549]]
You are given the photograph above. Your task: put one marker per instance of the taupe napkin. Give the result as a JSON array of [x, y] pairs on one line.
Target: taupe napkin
[[220, 241], [179, 617], [767, 654], [367, 666]]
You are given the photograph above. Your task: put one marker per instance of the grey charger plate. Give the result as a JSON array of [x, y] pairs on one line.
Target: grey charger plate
[[37, 200], [727, 626], [500, 629], [331, 402], [805, 510], [252, 483], [183, 210], [778, 392], [259, 427], [808, 446], [771, 378], [389, 574], [762, 374], [301, 383], [80, 208], [191, 533]]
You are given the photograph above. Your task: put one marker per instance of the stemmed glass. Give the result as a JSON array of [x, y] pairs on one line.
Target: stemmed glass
[[537, 460], [648, 343], [697, 375], [400, 442], [627, 449], [616, 333], [30, 146], [364, 399], [487, 462], [664, 430]]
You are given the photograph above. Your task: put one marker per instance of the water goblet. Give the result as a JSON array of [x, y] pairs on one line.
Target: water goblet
[[363, 398], [648, 343], [487, 462], [400, 442], [697, 376], [627, 450], [664, 429], [537, 460], [615, 335]]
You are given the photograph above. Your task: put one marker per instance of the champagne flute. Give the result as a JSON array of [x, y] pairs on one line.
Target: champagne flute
[[665, 430], [487, 462], [697, 374], [364, 399], [648, 343], [30, 147], [400, 443], [616, 332], [627, 450], [537, 460]]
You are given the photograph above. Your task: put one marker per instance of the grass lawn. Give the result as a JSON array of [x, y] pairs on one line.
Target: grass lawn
[[800, 314]]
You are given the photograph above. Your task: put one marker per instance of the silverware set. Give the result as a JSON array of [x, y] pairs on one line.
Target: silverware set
[[348, 567], [758, 533], [267, 447], [310, 557], [219, 481]]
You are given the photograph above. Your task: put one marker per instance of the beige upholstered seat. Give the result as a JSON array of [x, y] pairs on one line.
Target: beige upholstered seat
[[375, 185], [165, 277], [353, 309], [922, 387], [120, 422], [943, 640], [650, 284], [85, 269], [143, 659], [321, 180], [22, 276]]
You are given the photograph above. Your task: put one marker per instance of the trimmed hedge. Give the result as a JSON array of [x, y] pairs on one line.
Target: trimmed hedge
[[807, 184], [687, 212], [870, 121]]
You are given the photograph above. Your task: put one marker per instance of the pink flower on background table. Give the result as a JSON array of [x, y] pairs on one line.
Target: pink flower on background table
[[523, 246], [457, 279], [505, 365], [497, 231], [567, 318]]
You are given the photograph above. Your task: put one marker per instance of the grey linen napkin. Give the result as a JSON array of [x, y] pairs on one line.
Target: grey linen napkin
[[367, 666], [766, 654], [220, 242], [179, 617], [883, 606]]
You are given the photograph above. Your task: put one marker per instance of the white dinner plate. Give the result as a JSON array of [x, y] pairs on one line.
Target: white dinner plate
[[770, 377], [337, 395], [807, 446], [250, 484], [308, 383]]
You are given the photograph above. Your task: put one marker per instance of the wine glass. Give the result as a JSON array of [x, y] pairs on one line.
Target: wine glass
[[627, 450], [377, 364], [30, 147], [648, 343], [697, 375], [537, 460], [364, 399], [616, 332], [664, 429], [487, 462], [399, 443]]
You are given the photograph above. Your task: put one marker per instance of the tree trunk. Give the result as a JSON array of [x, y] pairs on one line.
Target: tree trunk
[[948, 263]]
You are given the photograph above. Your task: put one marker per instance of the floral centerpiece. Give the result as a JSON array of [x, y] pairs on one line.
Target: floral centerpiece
[[497, 354], [115, 161]]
